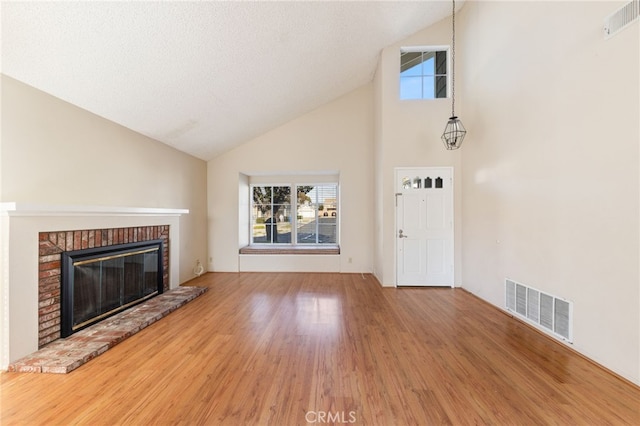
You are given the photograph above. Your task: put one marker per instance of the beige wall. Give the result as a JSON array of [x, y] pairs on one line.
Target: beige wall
[[407, 134], [550, 168], [336, 137], [547, 184], [378, 199], [55, 153]]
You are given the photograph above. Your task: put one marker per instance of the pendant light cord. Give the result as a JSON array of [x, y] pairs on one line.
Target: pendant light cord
[[454, 132], [453, 60]]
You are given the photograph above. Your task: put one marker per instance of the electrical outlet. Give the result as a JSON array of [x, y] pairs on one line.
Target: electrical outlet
[[350, 260]]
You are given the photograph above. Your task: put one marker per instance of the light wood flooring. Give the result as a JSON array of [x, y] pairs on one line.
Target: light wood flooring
[[301, 349]]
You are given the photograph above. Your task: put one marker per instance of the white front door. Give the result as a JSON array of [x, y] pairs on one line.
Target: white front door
[[424, 226]]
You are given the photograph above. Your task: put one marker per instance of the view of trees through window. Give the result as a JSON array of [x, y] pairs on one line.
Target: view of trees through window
[[308, 218]]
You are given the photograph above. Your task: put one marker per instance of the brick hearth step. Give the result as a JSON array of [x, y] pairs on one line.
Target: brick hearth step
[[65, 355]]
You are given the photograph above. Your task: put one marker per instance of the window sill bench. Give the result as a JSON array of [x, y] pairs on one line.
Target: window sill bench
[[332, 250]]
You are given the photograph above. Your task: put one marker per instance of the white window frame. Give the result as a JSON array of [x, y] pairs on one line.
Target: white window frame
[[435, 48], [251, 208], [294, 213]]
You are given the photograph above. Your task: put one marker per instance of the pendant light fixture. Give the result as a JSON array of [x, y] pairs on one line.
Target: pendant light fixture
[[454, 132]]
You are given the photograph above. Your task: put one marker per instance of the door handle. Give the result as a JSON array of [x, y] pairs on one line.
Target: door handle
[[401, 235]]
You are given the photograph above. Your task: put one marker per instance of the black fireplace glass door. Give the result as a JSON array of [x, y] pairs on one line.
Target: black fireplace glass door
[[107, 284], [150, 279], [98, 282], [111, 284], [133, 270], [86, 294]]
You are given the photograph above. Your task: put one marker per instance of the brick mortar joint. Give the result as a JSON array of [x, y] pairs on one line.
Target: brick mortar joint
[[69, 240]]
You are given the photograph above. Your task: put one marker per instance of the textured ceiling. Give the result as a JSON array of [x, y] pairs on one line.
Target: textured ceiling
[[203, 77]]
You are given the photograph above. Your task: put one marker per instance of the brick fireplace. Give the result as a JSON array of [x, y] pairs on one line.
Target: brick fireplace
[[32, 239], [51, 245]]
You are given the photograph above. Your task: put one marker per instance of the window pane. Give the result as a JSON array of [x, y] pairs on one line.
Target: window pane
[[410, 87], [281, 224], [327, 230], [271, 214], [306, 217], [411, 63], [423, 75], [317, 215], [327, 195], [281, 195], [429, 87], [441, 63], [259, 230], [258, 227], [307, 232], [441, 87], [261, 208], [429, 65]]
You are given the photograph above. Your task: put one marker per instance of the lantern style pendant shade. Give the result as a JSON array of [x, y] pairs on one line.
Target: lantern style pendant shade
[[453, 134]]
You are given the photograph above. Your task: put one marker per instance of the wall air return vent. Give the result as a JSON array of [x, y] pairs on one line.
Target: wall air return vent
[[550, 313], [621, 18]]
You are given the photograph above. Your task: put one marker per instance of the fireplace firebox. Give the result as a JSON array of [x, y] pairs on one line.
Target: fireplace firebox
[[100, 282]]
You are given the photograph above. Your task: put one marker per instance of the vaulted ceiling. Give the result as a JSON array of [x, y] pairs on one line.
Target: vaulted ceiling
[[203, 77]]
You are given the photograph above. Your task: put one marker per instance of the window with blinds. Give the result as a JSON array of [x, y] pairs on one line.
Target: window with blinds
[[298, 214]]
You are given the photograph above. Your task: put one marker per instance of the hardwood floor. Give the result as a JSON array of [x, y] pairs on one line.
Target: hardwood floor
[[299, 349]]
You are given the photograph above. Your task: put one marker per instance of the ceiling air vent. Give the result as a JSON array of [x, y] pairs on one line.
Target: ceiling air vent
[[549, 313], [621, 18]]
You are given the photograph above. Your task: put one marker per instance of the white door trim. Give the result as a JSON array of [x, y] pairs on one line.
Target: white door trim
[[412, 181]]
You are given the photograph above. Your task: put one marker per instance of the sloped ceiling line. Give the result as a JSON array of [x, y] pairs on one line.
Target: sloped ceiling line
[[203, 77]]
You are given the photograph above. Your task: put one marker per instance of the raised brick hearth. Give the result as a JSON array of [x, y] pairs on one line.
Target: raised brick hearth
[[65, 355], [53, 244]]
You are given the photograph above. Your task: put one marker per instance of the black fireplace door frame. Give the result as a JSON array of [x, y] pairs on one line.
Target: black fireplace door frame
[[70, 257]]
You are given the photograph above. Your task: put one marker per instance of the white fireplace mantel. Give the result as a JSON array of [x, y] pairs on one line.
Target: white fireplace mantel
[[31, 209], [20, 223]]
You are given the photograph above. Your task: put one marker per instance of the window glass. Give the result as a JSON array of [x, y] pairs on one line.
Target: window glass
[[314, 222], [271, 214], [423, 75], [411, 88], [318, 214]]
